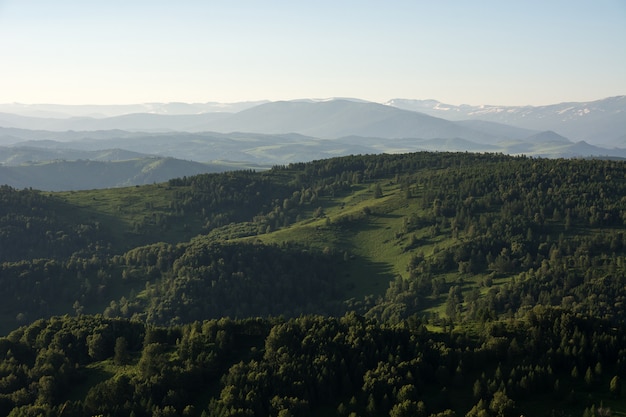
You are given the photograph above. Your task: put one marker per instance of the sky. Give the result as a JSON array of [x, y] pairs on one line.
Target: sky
[[458, 52]]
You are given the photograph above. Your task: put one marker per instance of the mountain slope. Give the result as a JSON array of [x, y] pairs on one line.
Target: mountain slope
[[497, 130], [337, 118]]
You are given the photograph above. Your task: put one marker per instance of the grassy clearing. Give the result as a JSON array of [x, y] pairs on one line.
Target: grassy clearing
[[361, 227], [370, 233]]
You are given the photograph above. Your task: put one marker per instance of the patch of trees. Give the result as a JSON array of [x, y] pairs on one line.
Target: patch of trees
[[180, 283], [150, 370], [35, 225], [347, 365], [204, 279], [554, 229]]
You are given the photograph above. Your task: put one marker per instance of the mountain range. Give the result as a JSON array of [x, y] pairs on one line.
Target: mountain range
[[268, 133]]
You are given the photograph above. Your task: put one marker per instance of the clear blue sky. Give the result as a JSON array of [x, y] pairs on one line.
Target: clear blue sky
[[474, 52]]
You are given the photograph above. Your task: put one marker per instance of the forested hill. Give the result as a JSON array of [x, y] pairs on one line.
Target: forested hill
[[415, 284]]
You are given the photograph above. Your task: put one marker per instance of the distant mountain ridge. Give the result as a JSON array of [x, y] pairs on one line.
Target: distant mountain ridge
[[144, 122], [322, 119], [602, 122], [599, 122], [338, 118], [291, 131], [63, 111]]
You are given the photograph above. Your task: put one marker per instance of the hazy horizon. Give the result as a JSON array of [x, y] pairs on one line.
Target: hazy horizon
[[208, 102], [490, 53]]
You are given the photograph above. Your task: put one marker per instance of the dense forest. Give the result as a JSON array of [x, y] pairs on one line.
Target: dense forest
[[424, 284]]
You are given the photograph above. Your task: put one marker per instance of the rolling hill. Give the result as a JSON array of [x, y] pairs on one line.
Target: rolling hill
[[428, 284], [102, 172], [356, 205]]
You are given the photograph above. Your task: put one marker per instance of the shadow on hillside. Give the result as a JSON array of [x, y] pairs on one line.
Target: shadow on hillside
[[387, 215], [112, 228], [361, 277], [362, 224], [92, 376]]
